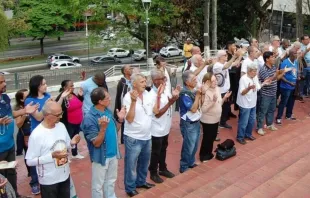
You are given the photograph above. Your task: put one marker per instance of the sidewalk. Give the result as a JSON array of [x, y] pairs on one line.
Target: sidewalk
[[81, 169]]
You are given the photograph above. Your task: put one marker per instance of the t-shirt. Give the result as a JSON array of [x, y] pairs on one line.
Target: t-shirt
[[261, 62], [41, 102], [291, 76], [248, 100], [88, 86], [140, 128], [75, 113], [6, 131], [161, 126], [307, 56], [187, 50], [246, 63], [218, 68], [42, 143], [186, 102], [264, 73]]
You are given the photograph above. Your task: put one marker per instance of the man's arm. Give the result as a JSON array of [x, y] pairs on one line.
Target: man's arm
[[230, 62], [196, 102]]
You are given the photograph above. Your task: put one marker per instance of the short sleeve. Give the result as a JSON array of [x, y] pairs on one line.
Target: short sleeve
[[244, 66], [27, 101], [217, 68], [127, 101], [242, 85], [187, 101], [90, 128]]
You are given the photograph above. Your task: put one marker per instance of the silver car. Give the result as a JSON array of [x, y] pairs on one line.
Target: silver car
[[61, 57]]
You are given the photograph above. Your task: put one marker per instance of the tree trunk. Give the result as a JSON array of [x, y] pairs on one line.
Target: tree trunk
[[58, 38], [299, 19], [206, 37], [214, 24], [42, 46]]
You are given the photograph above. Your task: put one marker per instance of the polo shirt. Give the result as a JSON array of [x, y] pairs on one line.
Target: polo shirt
[[161, 126], [291, 76], [248, 100], [140, 128], [88, 86], [218, 68], [264, 73], [186, 103], [6, 131]]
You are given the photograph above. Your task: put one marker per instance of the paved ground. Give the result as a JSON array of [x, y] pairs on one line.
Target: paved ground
[[275, 165]]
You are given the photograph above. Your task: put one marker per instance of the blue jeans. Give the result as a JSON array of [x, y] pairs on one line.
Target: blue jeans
[[288, 101], [307, 81], [266, 110], [247, 117], [191, 134], [137, 158], [34, 176]]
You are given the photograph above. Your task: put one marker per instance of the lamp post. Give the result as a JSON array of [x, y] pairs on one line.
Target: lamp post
[[87, 14], [282, 19], [146, 5]]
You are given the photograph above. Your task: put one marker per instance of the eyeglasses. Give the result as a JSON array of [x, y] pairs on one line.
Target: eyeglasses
[[58, 115]]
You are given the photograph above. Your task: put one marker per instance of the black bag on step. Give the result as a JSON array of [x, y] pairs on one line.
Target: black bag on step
[[225, 150]]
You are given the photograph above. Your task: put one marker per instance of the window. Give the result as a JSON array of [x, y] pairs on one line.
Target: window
[[63, 65], [70, 64], [110, 58]]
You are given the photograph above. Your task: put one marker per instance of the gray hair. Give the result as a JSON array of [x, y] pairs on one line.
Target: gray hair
[[46, 110], [155, 73], [264, 47], [136, 76], [186, 75], [251, 67]]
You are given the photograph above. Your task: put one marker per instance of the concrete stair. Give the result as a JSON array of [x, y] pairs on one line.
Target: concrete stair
[[274, 165]]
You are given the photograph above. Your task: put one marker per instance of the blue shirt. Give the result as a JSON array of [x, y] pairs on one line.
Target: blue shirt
[[6, 131], [186, 103], [41, 102], [88, 86], [290, 76], [306, 57], [90, 127]]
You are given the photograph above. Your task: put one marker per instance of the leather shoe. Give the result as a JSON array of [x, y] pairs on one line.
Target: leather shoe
[[241, 141], [251, 138], [166, 173], [132, 193], [146, 186], [155, 178], [193, 166]]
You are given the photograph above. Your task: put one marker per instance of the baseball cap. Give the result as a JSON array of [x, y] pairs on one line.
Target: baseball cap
[[188, 39], [275, 38]]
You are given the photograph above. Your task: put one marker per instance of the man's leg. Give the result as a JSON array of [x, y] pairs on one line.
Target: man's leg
[[111, 176], [163, 153], [64, 189], [244, 114], [132, 151], [263, 109], [271, 109], [19, 143], [98, 178], [290, 105], [49, 191], [195, 136], [143, 161], [155, 154], [285, 94], [225, 112], [251, 122]]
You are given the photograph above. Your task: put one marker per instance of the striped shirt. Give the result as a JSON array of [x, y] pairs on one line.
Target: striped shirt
[[264, 73]]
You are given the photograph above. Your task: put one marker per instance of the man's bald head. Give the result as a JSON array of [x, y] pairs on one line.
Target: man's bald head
[[51, 107], [196, 50], [292, 54]]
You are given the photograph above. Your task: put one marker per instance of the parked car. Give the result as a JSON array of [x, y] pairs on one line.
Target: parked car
[[118, 52], [64, 65], [4, 72], [61, 57], [101, 60], [141, 54], [170, 51]]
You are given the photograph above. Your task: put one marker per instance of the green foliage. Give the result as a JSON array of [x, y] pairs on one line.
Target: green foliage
[[6, 4], [17, 27], [3, 31]]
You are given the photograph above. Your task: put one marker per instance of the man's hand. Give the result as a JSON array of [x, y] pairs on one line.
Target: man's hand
[[267, 81], [103, 122], [134, 95], [31, 108], [5, 120], [198, 92], [227, 95], [161, 89], [60, 154], [80, 92], [121, 113], [76, 139], [251, 86], [3, 181], [176, 91]]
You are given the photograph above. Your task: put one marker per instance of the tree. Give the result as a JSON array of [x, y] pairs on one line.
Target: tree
[[299, 19], [214, 24], [206, 28], [45, 18], [3, 32]]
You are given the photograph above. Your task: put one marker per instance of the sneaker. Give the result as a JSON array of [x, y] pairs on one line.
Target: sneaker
[[272, 128], [291, 118], [78, 156], [155, 178], [226, 126], [166, 173], [278, 122], [35, 190], [217, 139], [261, 132]]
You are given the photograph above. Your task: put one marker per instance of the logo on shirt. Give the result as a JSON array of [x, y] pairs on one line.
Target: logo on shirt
[[60, 145]]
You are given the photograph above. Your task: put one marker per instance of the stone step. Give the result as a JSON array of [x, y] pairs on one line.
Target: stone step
[[250, 156], [283, 180]]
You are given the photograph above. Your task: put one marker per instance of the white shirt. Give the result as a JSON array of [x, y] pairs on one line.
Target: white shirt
[[248, 100], [140, 128], [200, 75], [168, 83], [161, 126], [218, 68], [246, 62], [280, 52], [42, 143], [261, 62]]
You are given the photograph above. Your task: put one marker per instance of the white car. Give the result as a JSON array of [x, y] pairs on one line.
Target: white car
[[64, 65], [141, 55], [170, 51], [118, 52]]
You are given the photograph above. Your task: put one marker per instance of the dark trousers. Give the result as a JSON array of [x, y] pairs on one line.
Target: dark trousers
[[122, 132], [34, 176], [208, 138], [10, 174], [234, 85], [59, 190], [20, 147], [288, 101], [158, 154], [225, 111], [73, 129]]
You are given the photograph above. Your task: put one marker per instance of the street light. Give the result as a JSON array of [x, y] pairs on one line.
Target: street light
[[87, 14], [146, 6], [282, 19]]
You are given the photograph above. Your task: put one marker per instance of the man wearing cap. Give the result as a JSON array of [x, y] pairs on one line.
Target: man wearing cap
[[187, 49]]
